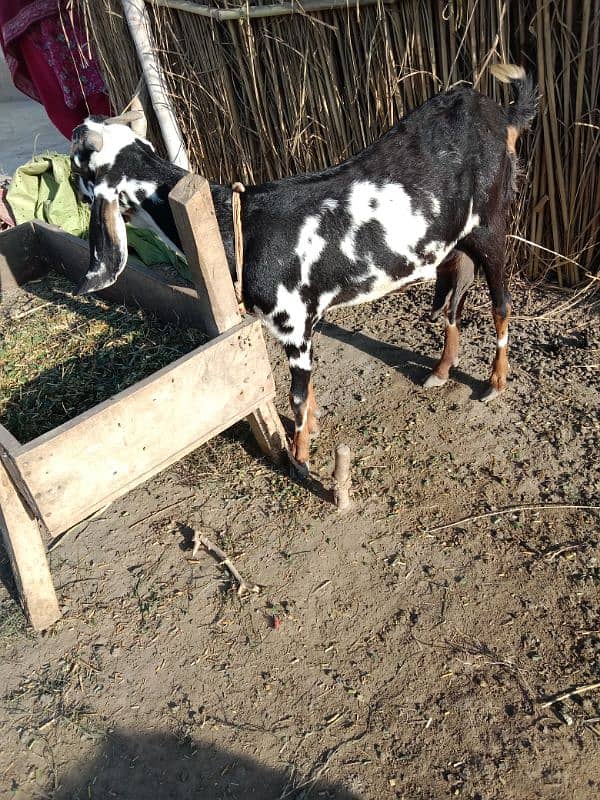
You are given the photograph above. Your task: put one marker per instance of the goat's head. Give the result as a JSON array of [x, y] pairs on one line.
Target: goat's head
[[111, 168]]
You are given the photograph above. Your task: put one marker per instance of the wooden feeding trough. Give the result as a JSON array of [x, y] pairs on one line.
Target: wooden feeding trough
[[63, 476]]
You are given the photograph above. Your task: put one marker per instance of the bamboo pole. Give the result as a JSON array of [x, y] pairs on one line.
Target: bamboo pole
[[257, 12], [139, 25]]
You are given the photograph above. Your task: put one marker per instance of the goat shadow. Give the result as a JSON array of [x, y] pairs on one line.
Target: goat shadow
[[413, 365], [135, 766]]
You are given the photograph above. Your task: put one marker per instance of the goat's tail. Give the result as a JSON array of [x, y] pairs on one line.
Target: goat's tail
[[520, 113]]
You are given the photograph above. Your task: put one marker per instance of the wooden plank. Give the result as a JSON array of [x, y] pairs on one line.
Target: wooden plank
[[27, 556], [7, 456], [102, 454], [268, 431], [7, 440], [136, 287], [194, 213], [19, 258]]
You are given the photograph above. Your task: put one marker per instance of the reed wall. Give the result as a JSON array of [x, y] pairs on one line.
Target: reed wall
[[264, 97]]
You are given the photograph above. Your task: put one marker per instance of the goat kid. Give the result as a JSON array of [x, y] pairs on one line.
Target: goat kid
[[425, 201]]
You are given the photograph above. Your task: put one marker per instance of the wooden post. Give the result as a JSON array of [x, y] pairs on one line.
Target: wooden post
[[27, 554], [342, 481], [268, 431], [194, 213]]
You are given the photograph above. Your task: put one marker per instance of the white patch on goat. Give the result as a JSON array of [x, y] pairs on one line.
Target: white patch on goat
[[439, 250], [391, 207], [325, 301], [330, 204], [435, 205], [126, 190], [472, 222], [131, 186], [309, 248], [384, 284], [303, 361], [291, 304], [502, 342], [105, 191], [114, 139]]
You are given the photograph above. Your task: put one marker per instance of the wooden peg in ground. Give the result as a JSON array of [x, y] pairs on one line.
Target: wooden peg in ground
[[342, 481]]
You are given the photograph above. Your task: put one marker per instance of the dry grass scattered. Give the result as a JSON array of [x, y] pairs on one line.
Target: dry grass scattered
[[64, 354]]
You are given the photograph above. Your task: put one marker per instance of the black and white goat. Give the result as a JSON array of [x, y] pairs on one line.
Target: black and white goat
[[436, 186]]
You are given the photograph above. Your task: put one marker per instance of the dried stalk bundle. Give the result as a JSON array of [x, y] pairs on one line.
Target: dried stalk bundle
[[270, 96]]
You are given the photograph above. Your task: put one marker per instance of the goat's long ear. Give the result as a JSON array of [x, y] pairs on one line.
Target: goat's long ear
[[108, 244]]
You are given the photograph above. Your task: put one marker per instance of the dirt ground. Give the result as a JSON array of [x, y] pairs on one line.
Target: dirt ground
[[385, 657]]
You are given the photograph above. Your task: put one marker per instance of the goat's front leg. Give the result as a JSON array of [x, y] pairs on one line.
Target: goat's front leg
[[302, 400]]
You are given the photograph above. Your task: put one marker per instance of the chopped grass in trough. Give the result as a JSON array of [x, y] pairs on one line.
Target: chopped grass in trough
[[62, 355]]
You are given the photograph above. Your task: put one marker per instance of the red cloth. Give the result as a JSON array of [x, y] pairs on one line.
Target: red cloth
[[55, 69]]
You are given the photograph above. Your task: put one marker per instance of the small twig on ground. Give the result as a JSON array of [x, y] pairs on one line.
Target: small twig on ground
[[30, 311], [588, 687], [511, 510], [551, 553], [203, 541]]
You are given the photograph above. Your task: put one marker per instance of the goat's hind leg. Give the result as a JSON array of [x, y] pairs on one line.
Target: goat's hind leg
[[487, 247], [500, 367], [453, 280]]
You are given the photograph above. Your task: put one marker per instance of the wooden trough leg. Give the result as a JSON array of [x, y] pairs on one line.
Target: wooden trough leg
[[194, 214], [268, 431], [27, 554]]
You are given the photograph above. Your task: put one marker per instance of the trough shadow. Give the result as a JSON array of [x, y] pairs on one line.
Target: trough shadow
[[54, 286], [242, 434], [6, 576], [162, 766], [414, 366], [20, 259]]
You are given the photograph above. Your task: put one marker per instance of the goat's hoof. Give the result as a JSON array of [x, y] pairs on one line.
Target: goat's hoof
[[491, 394], [299, 468], [433, 381]]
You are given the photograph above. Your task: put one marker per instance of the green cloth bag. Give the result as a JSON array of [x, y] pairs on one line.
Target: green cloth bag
[[42, 189]]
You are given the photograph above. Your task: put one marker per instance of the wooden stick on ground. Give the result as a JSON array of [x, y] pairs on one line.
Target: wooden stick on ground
[[203, 541], [510, 510], [342, 480], [27, 554], [588, 687]]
